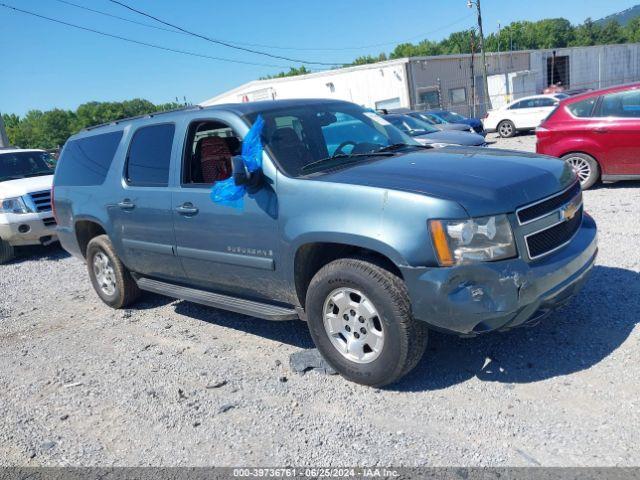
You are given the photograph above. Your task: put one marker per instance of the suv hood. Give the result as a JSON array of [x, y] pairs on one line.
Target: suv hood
[[484, 181], [23, 186]]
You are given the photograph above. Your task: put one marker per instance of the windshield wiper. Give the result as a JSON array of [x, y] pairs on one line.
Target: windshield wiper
[[398, 146], [322, 161]]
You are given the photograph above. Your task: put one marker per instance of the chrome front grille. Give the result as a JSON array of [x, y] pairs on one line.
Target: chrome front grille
[[551, 223], [41, 201], [544, 207]]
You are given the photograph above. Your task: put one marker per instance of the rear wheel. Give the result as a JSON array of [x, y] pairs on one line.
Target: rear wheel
[[111, 280], [359, 316], [586, 168], [7, 252], [506, 129]]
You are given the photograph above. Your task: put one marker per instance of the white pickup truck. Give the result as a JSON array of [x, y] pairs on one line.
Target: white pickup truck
[[26, 217]]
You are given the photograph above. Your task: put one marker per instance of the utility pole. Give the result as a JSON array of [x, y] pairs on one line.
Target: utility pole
[[470, 4], [473, 74], [4, 141]]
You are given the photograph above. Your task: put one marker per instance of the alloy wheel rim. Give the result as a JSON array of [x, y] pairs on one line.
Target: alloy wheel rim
[[505, 129], [104, 273], [353, 325], [581, 167]]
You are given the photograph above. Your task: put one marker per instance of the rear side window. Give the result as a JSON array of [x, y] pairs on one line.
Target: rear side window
[[86, 161], [583, 108], [150, 155], [621, 105]]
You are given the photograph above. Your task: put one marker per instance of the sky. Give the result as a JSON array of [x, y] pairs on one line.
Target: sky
[[46, 65]]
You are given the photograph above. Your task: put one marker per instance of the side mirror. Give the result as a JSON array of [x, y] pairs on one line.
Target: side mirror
[[241, 175]]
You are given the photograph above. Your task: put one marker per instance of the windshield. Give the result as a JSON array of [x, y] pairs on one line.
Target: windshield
[[17, 165], [411, 125], [452, 117], [302, 135]]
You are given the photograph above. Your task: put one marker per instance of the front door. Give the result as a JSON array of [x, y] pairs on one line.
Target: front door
[[141, 215], [223, 248], [618, 132]]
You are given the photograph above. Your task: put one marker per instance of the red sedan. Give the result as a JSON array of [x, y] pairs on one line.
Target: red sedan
[[598, 133]]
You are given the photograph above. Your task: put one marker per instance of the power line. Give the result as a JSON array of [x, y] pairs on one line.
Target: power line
[[223, 42], [100, 12], [159, 47], [275, 47]]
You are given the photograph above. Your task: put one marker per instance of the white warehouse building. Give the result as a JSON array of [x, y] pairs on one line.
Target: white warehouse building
[[452, 82]]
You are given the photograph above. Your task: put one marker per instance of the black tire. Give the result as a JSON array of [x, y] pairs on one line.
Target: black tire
[[507, 129], [7, 252], [126, 289], [586, 167], [405, 338]]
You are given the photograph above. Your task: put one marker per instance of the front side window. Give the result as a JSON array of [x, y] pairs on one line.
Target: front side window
[[621, 104], [546, 102], [86, 161], [150, 156], [208, 151], [17, 165], [301, 135], [583, 108]]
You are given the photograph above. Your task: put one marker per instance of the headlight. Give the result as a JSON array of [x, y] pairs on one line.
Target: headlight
[[483, 239], [13, 205]]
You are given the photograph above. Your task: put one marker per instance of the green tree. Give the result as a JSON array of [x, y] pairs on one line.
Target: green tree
[[612, 33], [632, 31], [51, 129]]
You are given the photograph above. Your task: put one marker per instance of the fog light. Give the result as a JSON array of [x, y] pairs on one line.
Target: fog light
[[24, 228]]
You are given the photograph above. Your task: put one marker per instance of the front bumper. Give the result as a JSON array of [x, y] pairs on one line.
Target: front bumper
[[473, 299], [28, 228]]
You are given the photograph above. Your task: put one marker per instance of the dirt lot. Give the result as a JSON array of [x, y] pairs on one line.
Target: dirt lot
[[173, 383]]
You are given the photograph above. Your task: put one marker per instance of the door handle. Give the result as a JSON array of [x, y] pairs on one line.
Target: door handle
[[602, 130], [187, 209], [127, 204]]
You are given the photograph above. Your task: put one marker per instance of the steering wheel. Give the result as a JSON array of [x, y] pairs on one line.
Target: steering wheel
[[339, 151]]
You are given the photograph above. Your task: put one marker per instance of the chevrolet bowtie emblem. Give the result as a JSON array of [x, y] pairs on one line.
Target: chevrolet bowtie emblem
[[569, 211]]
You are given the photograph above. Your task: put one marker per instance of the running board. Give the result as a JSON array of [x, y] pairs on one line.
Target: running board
[[217, 300]]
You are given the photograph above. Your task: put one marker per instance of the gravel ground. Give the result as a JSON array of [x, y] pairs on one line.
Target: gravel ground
[[173, 383]]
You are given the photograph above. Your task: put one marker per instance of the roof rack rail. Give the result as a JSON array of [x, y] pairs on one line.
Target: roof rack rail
[[146, 115]]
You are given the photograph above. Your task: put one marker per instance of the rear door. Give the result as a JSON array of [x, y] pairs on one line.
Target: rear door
[[618, 132], [142, 216]]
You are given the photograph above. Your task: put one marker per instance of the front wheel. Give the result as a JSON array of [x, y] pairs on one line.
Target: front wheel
[[360, 319], [7, 251], [586, 168]]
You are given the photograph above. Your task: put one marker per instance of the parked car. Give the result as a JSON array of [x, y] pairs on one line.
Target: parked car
[[25, 200], [429, 135], [443, 117], [597, 133], [461, 127], [346, 223], [521, 115]]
